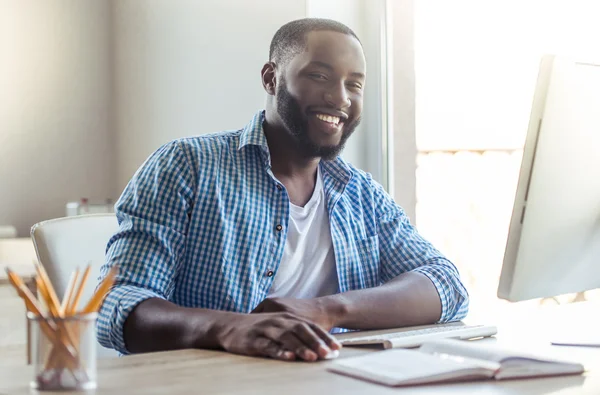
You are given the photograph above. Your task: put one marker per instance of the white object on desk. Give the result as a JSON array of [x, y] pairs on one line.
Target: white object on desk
[[577, 340], [84, 207], [415, 336], [18, 254], [8, 232], [449, 361], [553, 244]]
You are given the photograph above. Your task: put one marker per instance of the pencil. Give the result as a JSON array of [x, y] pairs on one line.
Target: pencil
[[73, 306], [52, 298], [48, 326], [96, 300], [69, 292]]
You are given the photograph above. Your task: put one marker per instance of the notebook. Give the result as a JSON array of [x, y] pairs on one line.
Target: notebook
[[450, 360]]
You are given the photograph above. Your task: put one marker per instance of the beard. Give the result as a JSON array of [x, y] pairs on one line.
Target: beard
[[296, 124]]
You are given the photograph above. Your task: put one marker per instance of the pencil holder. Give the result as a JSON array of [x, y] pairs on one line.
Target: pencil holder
[[64, 352]]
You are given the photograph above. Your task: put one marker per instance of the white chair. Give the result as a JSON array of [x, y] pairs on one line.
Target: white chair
[[64, 244]]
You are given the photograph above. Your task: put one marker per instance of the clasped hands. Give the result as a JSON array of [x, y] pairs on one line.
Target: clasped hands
[[283, 328]]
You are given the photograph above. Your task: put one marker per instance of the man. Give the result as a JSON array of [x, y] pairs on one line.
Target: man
[[269, 220]]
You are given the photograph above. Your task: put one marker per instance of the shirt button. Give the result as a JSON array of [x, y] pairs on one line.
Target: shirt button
[[270, 273], [279, 187], [279, 227]]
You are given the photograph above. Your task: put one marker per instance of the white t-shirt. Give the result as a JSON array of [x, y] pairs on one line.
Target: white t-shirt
[[307, 269]]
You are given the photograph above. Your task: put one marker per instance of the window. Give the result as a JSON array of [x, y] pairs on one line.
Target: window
[[476, 66]]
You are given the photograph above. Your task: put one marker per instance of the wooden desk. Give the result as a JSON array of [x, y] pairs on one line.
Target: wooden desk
[[214, 372]]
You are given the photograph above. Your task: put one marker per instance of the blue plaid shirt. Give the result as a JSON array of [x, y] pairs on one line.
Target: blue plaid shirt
[[203, 223]]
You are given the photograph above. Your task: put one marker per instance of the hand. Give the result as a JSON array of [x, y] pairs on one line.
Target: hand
[[275, 335], [311, 309]]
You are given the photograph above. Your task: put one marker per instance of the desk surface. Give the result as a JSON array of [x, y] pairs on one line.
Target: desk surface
[[214, 372]]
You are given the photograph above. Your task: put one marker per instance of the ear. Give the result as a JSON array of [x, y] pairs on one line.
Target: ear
[[269, 79]]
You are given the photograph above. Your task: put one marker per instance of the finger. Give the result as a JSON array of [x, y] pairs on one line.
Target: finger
[[285, 336], [269, 348], [313, 340], [328, 338], [291, 342]]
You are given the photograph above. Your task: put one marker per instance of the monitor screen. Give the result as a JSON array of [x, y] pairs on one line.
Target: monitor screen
[[553, 244]]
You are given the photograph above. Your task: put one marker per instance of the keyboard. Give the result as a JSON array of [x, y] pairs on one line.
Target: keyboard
[[415, 337]]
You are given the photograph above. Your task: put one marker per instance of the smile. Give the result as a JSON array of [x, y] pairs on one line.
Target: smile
[[328, 118]]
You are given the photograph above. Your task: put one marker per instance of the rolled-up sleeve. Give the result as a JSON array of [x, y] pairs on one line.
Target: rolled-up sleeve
[[403, 249], [153, 214]]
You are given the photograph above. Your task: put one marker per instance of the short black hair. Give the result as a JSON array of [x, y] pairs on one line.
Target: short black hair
[[290, 39]]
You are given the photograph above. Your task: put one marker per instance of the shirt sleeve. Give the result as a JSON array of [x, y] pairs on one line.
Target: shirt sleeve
[[403, 249], [153, 214]]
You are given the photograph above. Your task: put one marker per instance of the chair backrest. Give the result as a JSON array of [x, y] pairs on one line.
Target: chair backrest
[[64, 244]]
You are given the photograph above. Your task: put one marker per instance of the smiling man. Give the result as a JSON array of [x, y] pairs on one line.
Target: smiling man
[[263, 240]]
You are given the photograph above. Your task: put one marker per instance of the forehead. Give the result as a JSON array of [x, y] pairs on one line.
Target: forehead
[[341, 51]]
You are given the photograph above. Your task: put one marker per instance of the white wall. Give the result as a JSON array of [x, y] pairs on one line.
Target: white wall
[[55, 135], [189, 67]]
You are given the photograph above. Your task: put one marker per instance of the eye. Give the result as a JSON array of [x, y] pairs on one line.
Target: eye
[[355, 86], [318, 76]]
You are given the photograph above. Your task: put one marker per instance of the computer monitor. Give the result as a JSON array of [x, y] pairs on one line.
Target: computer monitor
[[553, 245]]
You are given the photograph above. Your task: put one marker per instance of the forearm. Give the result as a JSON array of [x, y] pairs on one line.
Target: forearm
[[156, 325], [407, 300]]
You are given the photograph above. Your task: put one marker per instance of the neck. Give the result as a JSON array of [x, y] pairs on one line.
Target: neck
[[286, 160]]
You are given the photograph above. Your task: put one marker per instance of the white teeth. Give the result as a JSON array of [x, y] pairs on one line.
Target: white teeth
[[328, 118]]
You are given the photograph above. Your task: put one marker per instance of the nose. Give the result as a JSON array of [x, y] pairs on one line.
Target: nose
[[337, 96]]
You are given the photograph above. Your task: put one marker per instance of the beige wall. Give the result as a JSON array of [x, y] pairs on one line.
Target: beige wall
[[183, 71], [55, 134], [189, 67], [88, 89]]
